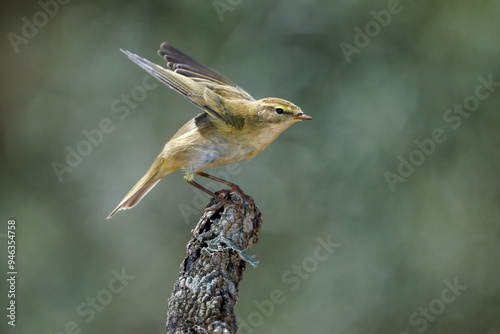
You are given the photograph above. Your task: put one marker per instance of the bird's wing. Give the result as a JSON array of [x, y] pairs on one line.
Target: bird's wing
[[205, 96], [185, 65]]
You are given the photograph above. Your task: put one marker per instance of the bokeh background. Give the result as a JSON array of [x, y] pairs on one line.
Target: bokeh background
[[397, 250]]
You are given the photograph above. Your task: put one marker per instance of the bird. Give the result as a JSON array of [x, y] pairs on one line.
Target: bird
[[232, 128]]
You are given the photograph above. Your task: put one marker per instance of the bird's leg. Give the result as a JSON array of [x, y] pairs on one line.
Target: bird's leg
[[205, 190], [233, 186]]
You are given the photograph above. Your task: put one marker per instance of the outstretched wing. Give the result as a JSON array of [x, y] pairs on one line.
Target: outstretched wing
[[201, 92], [185, 65], [179, 83]]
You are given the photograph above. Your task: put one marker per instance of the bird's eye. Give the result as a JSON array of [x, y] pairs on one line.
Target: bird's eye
[[279, 111]]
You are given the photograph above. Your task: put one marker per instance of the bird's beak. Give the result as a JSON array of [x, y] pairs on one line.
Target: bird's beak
[[302, 117]]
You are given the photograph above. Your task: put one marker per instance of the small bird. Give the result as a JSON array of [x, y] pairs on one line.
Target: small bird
[[233, 126]]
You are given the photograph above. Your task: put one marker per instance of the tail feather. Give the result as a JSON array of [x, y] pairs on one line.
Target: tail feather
[[133, 197], [145, 184]]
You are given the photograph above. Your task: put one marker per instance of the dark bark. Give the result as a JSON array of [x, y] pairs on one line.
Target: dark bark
[[206, 291]]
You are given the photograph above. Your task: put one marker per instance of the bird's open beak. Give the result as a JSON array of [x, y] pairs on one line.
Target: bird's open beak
[[303, 117]]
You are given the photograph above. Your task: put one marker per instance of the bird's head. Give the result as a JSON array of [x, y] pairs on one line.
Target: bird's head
[[278, 111]]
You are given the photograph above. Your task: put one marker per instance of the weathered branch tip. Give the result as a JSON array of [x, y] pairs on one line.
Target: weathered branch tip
[[206, 291]]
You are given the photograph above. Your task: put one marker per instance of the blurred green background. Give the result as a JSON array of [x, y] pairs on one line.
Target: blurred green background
[[418, 253]]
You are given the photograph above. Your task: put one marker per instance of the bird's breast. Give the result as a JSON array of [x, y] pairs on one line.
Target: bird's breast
[[199, 149]]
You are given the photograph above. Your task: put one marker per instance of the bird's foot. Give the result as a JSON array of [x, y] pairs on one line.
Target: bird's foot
[[231, 185]]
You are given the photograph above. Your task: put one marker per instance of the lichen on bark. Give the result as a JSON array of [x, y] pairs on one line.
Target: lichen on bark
[[206, 291]]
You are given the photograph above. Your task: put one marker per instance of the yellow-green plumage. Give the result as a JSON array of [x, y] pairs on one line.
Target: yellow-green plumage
[[234, 127]]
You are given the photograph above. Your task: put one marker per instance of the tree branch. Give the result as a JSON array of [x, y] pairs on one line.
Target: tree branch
[[206, 291]]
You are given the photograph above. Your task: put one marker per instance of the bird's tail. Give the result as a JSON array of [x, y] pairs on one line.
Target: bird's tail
[[145, 184]]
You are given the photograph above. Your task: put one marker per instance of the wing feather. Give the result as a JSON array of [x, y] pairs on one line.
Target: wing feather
[[185, 65], [200, 85]]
